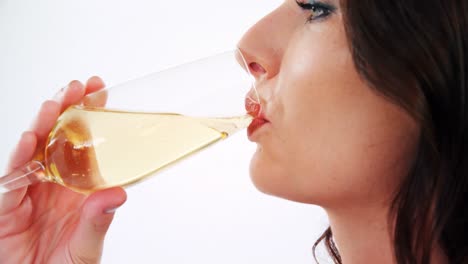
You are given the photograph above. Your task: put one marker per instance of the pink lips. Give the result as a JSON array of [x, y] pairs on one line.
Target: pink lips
[[254, 109], [255, 125]]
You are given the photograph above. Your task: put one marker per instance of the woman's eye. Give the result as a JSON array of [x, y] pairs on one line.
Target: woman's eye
[[317, 9]]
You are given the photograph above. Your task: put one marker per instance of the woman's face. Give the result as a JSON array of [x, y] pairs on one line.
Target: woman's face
[[330, 139]]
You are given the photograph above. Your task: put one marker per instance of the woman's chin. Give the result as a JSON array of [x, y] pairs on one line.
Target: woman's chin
[[266, 175], [259, 171]]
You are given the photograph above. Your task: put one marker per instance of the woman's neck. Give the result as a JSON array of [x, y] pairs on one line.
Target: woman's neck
[[363, 235]]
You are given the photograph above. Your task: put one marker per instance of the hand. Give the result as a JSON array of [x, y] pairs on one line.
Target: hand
[[45, 222]]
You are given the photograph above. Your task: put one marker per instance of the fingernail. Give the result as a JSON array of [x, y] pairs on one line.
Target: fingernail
[[111, 210], [58, 97]]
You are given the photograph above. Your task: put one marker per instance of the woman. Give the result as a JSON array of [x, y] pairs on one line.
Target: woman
[[363, 113]]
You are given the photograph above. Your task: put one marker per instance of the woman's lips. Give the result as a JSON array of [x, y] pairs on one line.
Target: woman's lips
[[255, 125], [254, 109]]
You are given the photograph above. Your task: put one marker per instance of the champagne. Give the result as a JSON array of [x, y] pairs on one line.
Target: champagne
[[93, 148]]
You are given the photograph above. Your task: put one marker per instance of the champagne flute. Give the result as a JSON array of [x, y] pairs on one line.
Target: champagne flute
[[121, 135]]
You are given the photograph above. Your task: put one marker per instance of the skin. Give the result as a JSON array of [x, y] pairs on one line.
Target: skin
[[331, 140], [46, 223]]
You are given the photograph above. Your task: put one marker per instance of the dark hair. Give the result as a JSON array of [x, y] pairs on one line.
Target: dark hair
[[416, 54]]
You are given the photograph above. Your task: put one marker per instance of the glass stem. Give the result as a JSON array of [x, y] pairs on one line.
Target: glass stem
[[30, 173]]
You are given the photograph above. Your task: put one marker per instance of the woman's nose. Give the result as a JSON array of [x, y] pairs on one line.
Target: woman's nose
[[242, 61], [250, 66], [256, 69], [262, 46], [257, 61]]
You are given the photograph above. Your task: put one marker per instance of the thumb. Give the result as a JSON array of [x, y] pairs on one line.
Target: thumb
[[22, 154], [97, 213]]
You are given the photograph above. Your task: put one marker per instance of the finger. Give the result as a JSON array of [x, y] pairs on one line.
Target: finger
[[72, 94], [94, 84], [96, 217], [23, 151], [22, 154], [46, 118], [95, 97]]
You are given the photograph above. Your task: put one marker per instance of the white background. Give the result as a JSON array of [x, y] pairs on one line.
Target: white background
[[205, 210]]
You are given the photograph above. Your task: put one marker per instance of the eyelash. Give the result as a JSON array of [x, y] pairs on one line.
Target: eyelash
[[316, 7]]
